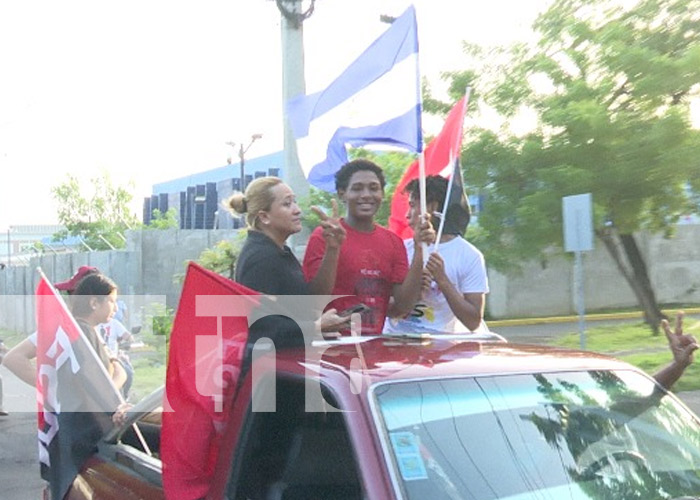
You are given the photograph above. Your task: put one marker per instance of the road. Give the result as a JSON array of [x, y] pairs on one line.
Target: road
[[19, 466]]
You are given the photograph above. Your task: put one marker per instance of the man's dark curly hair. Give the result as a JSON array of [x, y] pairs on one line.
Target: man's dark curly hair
[[435, 189], [342, 176], [458, 215]]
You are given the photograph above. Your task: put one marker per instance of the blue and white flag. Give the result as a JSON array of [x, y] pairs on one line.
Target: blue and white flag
[[375, 100]]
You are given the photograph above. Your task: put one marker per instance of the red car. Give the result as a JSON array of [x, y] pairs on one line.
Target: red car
[[432, 417]]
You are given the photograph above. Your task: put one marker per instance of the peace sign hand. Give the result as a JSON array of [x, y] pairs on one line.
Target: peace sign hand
[[682, 345], [333, 232]]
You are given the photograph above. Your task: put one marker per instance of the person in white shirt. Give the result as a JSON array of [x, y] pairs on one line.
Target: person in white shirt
[[114, 333], [455, 282]]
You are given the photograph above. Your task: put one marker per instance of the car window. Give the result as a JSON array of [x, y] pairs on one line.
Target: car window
[[593, 435], [144, 434], [292, 453]]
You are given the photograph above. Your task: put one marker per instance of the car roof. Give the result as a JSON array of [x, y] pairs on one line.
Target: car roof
[[387, 358]]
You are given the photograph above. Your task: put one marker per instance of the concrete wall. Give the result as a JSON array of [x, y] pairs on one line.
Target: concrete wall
[[548, 289], [153, 260], [148, 266], [164, 255]]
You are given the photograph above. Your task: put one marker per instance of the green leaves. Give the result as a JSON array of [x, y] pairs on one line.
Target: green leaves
[[159, 220], [222, 257], [611, 85], [99, 215]]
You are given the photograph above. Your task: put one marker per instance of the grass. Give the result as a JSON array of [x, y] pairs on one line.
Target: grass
[[635, 344], [149, 374], [10, 338]]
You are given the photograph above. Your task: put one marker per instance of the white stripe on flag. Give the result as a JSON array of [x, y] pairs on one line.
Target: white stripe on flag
[[387, 97], [375, 100]]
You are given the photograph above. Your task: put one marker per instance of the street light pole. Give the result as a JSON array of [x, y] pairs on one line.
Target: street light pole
[[242, 150], [293, 16]]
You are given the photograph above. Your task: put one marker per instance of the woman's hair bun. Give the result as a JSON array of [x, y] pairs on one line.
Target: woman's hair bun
[[237, 203]]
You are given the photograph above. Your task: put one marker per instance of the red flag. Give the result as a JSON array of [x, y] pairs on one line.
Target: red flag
[[75, 392], [207, 345], [439, 155]]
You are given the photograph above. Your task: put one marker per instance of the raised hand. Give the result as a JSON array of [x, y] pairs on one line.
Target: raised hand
[[682, 345], [333, 232], [423, 231]]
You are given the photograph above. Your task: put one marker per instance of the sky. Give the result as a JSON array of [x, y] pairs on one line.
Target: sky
[[152, 90]]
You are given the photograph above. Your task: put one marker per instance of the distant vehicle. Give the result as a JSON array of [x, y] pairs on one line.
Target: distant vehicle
[[433, 418]]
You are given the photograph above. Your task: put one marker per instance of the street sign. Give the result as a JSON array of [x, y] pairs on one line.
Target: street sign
[[578, 237], [578, 222]]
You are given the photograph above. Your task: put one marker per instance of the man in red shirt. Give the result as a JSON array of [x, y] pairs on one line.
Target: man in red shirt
[[373, 266]]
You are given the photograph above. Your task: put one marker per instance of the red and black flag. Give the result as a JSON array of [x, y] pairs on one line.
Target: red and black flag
[[75, 393], [456, 211]]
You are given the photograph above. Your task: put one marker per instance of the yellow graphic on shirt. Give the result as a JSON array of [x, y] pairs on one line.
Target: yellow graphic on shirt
[[423, 311]]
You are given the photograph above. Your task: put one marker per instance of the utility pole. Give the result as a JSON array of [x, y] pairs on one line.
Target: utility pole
[[293, 85], [242, 150]]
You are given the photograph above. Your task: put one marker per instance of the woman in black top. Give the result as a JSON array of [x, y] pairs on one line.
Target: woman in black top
[[266, 264]]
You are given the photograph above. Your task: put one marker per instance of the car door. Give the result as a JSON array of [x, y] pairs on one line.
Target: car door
[[127, 462], [294, 453]]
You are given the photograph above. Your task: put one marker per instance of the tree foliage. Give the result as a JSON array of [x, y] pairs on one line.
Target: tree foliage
[[100, 217], [611, 87], [160, 220], [222, 257]]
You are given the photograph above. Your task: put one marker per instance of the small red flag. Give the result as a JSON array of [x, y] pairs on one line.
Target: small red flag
[[439, 157]]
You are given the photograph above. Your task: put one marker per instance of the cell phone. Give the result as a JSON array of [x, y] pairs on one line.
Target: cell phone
[[357, 308]]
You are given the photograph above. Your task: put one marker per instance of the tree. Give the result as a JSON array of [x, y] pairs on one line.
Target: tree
[[222, 257], [99, 219], [611, 87], [160, 220]]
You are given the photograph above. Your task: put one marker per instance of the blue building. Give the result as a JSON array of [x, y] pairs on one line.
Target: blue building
[[197, 198]]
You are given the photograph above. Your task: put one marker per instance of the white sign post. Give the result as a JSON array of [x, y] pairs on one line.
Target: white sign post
[[578, 237]]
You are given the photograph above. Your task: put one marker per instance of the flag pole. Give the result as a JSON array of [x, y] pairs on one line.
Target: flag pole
[[455, 164], [423, 203], [421, 162], [448, 194]]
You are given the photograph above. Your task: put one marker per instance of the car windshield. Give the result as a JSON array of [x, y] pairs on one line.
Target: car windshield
[[578, 435]]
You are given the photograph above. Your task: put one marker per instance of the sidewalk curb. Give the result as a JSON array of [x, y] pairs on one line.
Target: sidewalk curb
[[574, 319]]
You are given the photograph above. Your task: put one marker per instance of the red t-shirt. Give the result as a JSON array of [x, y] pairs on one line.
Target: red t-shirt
[[370, 264]]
